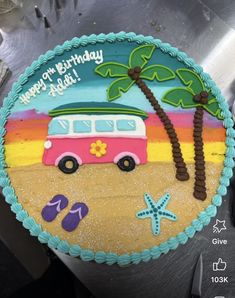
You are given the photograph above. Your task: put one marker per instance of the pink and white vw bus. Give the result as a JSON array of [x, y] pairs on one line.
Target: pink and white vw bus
[[79, 139]]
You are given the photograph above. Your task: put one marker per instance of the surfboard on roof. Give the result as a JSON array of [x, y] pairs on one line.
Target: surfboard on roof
[[96, 108]]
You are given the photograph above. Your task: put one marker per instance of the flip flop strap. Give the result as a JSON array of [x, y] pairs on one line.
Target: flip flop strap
[[58, 203], [78, 210]]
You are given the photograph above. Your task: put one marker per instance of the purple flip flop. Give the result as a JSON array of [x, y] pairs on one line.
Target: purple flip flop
[[75, 215], [52, 208]]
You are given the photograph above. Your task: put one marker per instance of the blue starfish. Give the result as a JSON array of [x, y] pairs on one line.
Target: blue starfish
[[156, 210]]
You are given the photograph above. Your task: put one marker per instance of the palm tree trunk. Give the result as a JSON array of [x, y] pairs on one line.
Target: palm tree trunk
[[181, 170], [200, 176]]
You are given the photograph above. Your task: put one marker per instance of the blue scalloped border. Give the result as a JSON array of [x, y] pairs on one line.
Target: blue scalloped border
[[100, 256]]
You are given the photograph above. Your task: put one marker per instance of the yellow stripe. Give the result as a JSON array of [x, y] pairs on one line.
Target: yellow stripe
[[24, 153], [162, 151], [30, 152]]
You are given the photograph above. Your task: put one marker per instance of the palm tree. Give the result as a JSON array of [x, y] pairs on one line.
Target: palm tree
[[135, 73], [195, 95]]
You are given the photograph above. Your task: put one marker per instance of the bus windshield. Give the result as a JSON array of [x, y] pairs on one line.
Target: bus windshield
[[58, 126]]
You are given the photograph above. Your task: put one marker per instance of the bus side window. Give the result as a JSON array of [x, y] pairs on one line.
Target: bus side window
[[58, 126], [104, 125], [82, 126], [126, 125]]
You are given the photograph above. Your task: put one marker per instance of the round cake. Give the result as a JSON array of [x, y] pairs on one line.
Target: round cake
[[115, 148]]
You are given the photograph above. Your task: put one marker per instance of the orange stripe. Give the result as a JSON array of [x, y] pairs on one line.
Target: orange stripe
[[26, 130], [158, 134], [25, 135], [21, 124]]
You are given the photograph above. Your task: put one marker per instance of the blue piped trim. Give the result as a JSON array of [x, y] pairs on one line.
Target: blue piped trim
[[74, 250], [102, 257], [54, 242]]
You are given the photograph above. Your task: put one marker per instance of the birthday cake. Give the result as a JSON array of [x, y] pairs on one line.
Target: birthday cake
[[115, 148]]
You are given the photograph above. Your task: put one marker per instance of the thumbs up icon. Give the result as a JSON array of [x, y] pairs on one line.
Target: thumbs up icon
[[220, 265]]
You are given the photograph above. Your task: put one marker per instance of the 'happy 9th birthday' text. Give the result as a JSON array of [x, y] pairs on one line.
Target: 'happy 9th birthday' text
[[66, 76]]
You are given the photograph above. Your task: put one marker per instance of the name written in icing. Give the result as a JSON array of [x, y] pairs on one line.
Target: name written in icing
[[62, 84]]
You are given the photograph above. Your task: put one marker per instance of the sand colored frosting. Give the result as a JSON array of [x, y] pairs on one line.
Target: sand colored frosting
[[113, 198]]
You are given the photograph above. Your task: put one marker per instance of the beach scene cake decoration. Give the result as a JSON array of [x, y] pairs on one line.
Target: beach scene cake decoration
[[59, 202], [135, 72], [115, 148], [83, 133], [156, 211], [195, 95]]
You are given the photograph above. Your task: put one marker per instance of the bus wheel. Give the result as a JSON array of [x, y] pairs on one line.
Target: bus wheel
[[68, 165], [126, 164]]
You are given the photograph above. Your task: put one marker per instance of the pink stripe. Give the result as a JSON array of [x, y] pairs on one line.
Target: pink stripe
[[29, 114]]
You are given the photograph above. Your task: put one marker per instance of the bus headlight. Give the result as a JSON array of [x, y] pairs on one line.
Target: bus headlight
[[48, 144]]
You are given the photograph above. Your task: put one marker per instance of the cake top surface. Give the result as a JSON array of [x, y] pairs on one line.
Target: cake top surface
[[117, 148]]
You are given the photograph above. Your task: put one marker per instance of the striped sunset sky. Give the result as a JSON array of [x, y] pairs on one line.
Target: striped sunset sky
[[27, 131]]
